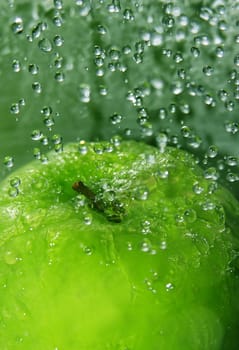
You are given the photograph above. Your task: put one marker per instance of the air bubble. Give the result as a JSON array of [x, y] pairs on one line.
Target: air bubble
[[45, 45], [232, 127], [46, 111]]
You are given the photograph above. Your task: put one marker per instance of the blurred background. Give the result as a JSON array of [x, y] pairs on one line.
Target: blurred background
[[162, 72]]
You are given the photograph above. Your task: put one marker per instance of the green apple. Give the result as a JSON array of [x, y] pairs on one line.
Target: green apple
[[118, 246]]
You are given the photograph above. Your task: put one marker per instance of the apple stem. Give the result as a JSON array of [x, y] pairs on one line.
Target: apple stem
[[115, 208]]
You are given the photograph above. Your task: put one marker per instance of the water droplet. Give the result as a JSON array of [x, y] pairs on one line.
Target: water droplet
[[37, 153], [13, 192], [98, 148], [195, 52], [87, 218], [223, 95], [197, 188], [16, 66], [177, 88], [46, 111], [128, 15], [49, 122], [58, 4], [212, 151], [36, 86], [138, 58], [169, 286], [15, 181], [146, 227], [208, 70], [146, 246], [83, 149], [57, 21], [219, 52], [58, 40], [116, 119], [36, 135], [33, 69], [222, 25], [10, 258], [59, 77], [45, 45], [168, 21], [161, 141], [101, 29], [56, 139], [15, 108], [8, 161], [231, 161], [17, 25], [190, 215], [141, 193], [88, 251], [232, 127], [229, 105], [84, 93], [211, 173], [232, 177], [178, 57]]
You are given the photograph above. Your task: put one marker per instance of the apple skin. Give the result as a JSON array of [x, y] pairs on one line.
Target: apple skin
[[162, 275]]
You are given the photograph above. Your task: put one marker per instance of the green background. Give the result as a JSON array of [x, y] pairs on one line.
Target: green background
[[155, 84]]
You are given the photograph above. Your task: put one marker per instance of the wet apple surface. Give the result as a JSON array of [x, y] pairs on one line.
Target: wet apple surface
[[142, 252]]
